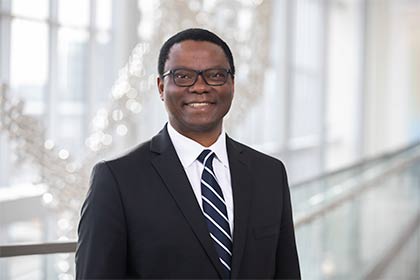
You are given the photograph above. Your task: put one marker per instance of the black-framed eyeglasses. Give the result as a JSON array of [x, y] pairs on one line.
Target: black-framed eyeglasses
[[184, 77]]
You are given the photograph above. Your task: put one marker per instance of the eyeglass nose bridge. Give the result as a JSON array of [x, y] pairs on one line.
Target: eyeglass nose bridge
[[199, 73]]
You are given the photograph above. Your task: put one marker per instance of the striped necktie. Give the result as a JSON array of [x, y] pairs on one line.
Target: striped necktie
[[214, 209]]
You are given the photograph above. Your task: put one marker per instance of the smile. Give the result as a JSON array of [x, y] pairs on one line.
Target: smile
[[199, 104]]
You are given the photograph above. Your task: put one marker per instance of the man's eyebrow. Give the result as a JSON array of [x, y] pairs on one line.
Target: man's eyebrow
[[210, 67]]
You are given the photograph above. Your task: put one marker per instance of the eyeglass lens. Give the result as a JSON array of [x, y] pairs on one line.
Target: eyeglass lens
[[187, 77]]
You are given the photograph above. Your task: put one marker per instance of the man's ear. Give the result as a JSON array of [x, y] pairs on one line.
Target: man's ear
[[233, 86], [160, 86]]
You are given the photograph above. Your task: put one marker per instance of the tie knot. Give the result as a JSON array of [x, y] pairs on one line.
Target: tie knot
[[205, 155]]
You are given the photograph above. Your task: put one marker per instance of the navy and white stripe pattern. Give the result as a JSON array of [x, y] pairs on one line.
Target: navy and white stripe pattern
[[214, 209]]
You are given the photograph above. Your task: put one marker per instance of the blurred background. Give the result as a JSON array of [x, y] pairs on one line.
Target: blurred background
[[330, 87]]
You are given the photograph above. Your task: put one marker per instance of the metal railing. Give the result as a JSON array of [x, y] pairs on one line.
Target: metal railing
[[358, 165], [37, 249], [313, 214]]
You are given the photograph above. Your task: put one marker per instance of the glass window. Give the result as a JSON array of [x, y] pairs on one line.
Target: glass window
[[308, 34], [103, 14], [306, 118], [32, 8], [29, 59], [38, 267], [305, 113], [103, 78], [49, 65], [74, 12], [72, 63]]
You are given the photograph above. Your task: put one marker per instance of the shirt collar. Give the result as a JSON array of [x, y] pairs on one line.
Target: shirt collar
[[188, 150]]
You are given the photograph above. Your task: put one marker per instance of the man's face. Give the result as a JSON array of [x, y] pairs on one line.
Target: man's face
[[199, 108]]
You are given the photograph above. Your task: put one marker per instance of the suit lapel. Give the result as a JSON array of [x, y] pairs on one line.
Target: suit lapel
[[170, 169], [241, 187]]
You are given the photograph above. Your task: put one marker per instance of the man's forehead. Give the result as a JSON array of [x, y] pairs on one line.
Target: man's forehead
[[192, 48], [187, 45]]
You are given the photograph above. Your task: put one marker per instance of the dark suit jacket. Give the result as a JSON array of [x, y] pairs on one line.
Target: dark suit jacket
[[141, 218]]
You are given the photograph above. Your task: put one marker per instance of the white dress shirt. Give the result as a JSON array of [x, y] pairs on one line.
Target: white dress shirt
[[188, 151]]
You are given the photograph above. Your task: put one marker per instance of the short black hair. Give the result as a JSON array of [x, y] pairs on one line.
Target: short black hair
[[195, 34]]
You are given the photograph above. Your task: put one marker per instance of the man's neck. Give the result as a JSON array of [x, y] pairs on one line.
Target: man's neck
[[204, 138]]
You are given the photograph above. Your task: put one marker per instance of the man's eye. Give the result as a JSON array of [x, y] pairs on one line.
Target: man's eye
[[183, 75], [217, 75]]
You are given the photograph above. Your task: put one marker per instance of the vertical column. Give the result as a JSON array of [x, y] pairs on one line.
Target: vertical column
[[361, 99], [126, 24], [5, 154], [52, 87], [5, 8], [288, 85], [90, 96], [323, 131], [276, 83]]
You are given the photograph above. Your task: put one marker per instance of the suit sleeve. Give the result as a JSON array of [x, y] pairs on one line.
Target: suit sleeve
[[287, 263], [101, 248]]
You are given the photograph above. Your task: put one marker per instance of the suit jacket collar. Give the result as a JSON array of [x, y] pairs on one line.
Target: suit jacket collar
[[169, 167]]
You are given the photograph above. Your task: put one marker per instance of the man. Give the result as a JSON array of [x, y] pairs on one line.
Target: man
[[191, 202]]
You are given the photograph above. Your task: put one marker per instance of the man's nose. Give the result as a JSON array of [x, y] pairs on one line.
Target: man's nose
[[200, 86]]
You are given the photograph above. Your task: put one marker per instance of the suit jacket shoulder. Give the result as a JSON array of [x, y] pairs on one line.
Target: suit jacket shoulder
[[139, 158], [254, 154], [257, 160]]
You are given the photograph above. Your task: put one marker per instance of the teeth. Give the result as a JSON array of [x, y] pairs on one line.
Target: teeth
[[198, 104]]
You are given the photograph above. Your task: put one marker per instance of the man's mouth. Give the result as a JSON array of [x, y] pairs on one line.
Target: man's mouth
[[198, 104]]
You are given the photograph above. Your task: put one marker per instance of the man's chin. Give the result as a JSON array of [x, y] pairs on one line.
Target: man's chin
[[201, 127]]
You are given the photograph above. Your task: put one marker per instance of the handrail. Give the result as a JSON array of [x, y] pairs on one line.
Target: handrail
[[312, 215], [70, 246], [37, 249], [356, 165]]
